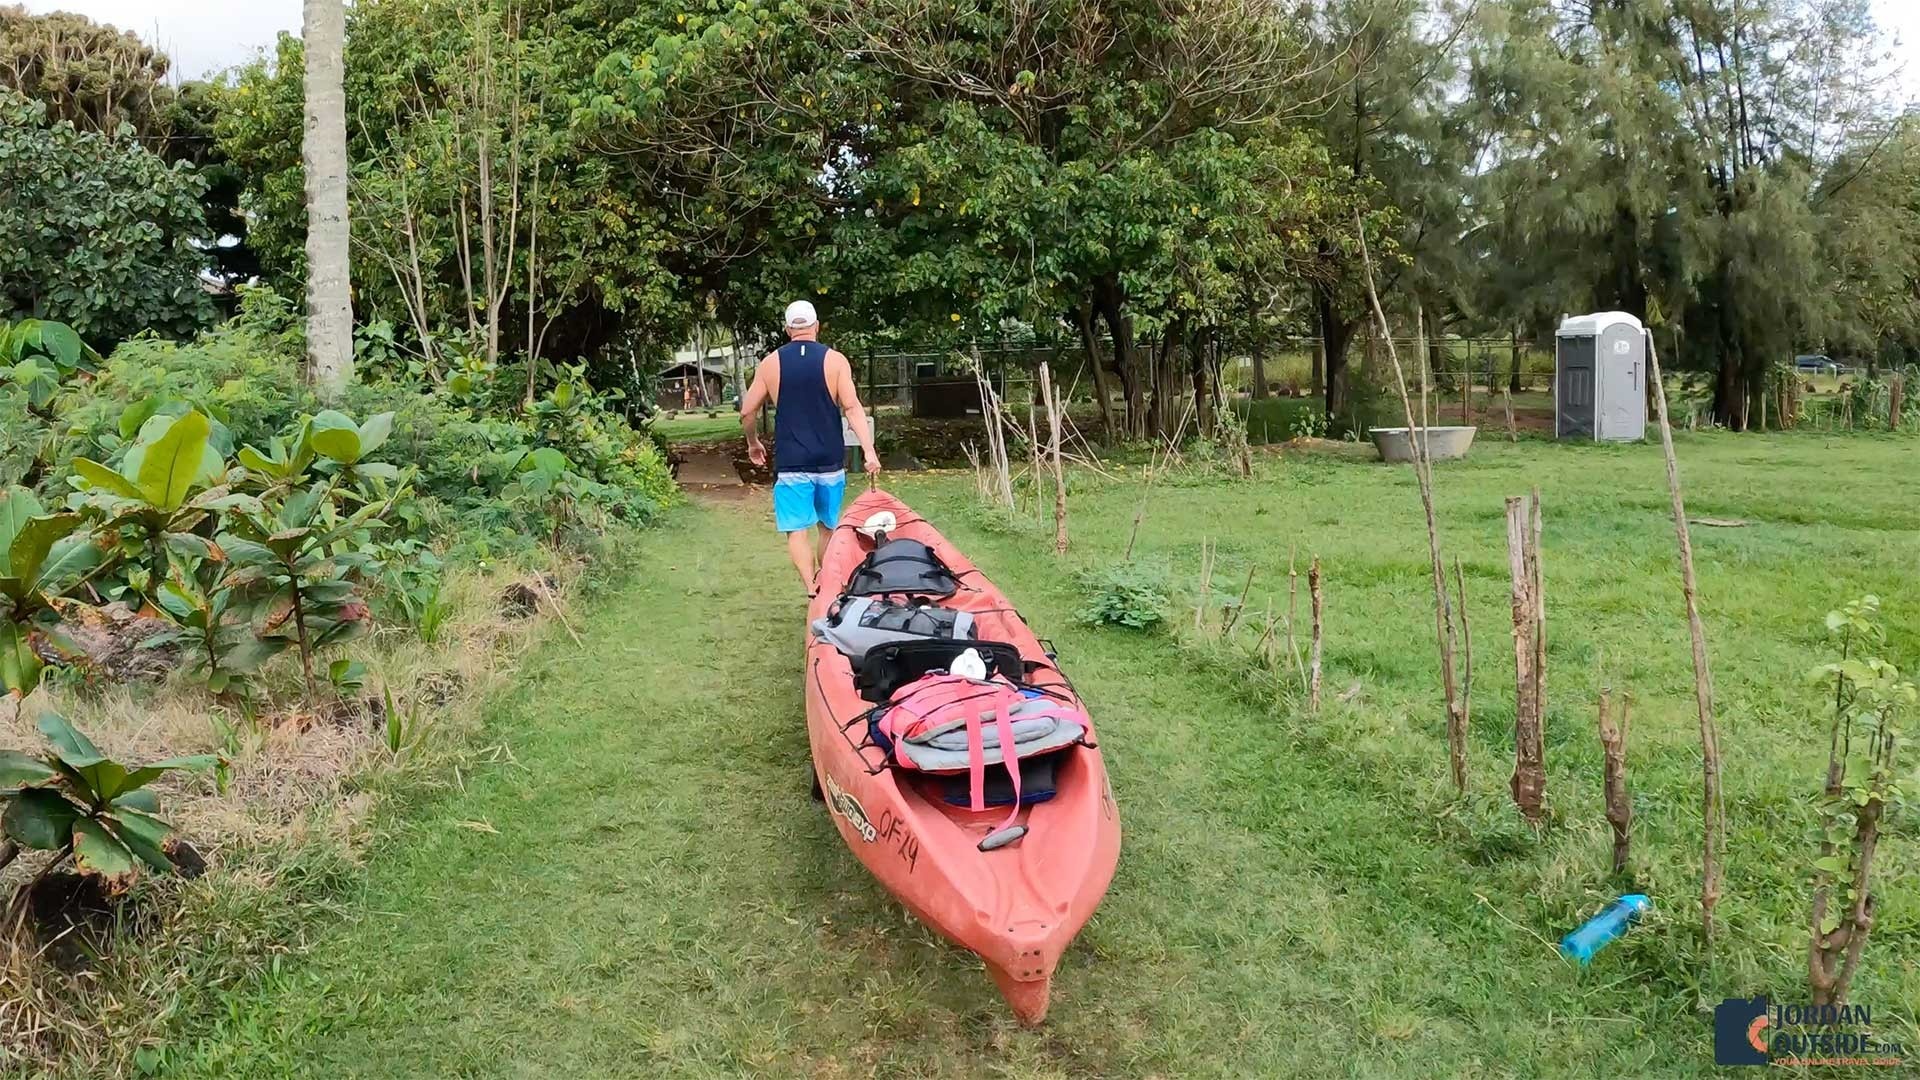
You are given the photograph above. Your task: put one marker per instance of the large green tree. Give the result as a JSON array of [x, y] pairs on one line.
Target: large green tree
[[96, 232], [95, 77], [1868, 207], [482, 221], [1664, 157], [1130, 172], [108, 81], [1388, 84]]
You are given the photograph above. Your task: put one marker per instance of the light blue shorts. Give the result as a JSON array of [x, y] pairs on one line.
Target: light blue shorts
[[801, 500]]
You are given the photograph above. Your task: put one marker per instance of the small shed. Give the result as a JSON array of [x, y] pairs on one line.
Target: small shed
[[689, 385], [1600, 382]]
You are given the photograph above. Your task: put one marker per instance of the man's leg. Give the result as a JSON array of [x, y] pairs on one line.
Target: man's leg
[[794, 514], [800, 548], [826, 512]]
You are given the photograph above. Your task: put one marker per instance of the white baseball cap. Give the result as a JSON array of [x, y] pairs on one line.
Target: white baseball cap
[[800, 315]]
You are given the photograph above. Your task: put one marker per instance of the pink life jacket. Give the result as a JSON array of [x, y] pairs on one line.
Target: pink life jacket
[[940, 700]]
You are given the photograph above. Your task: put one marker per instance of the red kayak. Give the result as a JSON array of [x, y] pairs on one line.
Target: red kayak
[[1005, 859]]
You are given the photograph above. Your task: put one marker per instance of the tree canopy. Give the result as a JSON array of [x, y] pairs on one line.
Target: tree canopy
[[109, 82], [92, 76], [1672, 157], [1133, 173], [1149, 182], [96, 232]]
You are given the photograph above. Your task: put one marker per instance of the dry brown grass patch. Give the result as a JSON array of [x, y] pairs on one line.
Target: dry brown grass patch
[[297, 777]]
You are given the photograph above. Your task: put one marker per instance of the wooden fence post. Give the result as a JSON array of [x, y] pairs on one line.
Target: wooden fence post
[[1529, 779], [1613, 741], [1054, 409], [1206, 584], [1466, 646], [1713, 806], [1443, 626], [1313, 671]]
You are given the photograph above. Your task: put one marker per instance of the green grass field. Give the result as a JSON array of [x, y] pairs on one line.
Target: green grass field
[[647, 890], [695, 427]]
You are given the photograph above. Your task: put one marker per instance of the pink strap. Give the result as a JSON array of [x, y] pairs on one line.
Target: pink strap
[[1009, 753], [903, 720]]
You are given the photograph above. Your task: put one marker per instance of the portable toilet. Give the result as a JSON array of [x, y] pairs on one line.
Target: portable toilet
[[1599, 386]]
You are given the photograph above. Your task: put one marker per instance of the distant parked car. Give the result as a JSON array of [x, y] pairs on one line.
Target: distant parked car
[[1816, 364]]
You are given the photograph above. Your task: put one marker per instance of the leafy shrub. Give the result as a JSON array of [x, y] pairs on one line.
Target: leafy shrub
[[409, 589], [201, 482], [98, 232], [1867, 787], [209, 616], [290, 555], [1123, 595], [24, 437], [76, 801], [235, 376], [1372, 400], [39, 556], [37, 356], [152, 508], [38, 361], [463, 430], [247, 560]]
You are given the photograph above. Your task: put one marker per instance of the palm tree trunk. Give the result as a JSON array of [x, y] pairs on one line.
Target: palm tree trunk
[[324, 153]]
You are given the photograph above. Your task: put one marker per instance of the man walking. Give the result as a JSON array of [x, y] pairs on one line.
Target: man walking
[[811, 387]]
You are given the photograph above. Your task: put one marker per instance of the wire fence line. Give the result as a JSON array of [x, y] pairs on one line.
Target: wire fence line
[[1461, 370], [1455, 365]]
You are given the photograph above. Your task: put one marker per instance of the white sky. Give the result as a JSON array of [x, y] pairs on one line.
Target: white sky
[[201, 36], [1900, 19], [204, 36]]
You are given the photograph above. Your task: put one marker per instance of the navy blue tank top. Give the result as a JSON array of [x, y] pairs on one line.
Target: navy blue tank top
[[806, 423]]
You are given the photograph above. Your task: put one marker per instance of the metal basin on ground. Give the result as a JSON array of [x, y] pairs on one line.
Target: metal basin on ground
[[1442, 443]]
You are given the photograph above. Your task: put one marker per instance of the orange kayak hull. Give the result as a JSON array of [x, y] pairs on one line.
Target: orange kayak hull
[[1017, 907]]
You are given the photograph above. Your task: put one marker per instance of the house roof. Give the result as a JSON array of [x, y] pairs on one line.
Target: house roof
[[709, 367]]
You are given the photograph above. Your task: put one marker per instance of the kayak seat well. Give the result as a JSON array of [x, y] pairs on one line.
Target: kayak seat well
[[1037, 784]]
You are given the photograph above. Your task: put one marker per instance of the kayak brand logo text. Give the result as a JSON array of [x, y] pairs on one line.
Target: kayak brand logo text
[[849, 807], [1753, 1031]]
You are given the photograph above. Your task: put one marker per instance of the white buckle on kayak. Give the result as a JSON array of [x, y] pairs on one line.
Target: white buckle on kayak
[[878, 526]]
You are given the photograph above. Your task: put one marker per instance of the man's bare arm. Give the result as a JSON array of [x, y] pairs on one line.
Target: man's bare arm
[[757, 396]]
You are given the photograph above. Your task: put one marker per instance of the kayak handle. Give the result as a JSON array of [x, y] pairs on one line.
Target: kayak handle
[[1000, 838]]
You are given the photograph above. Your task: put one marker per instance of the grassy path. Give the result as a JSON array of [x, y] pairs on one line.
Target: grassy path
[[647, 890]]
